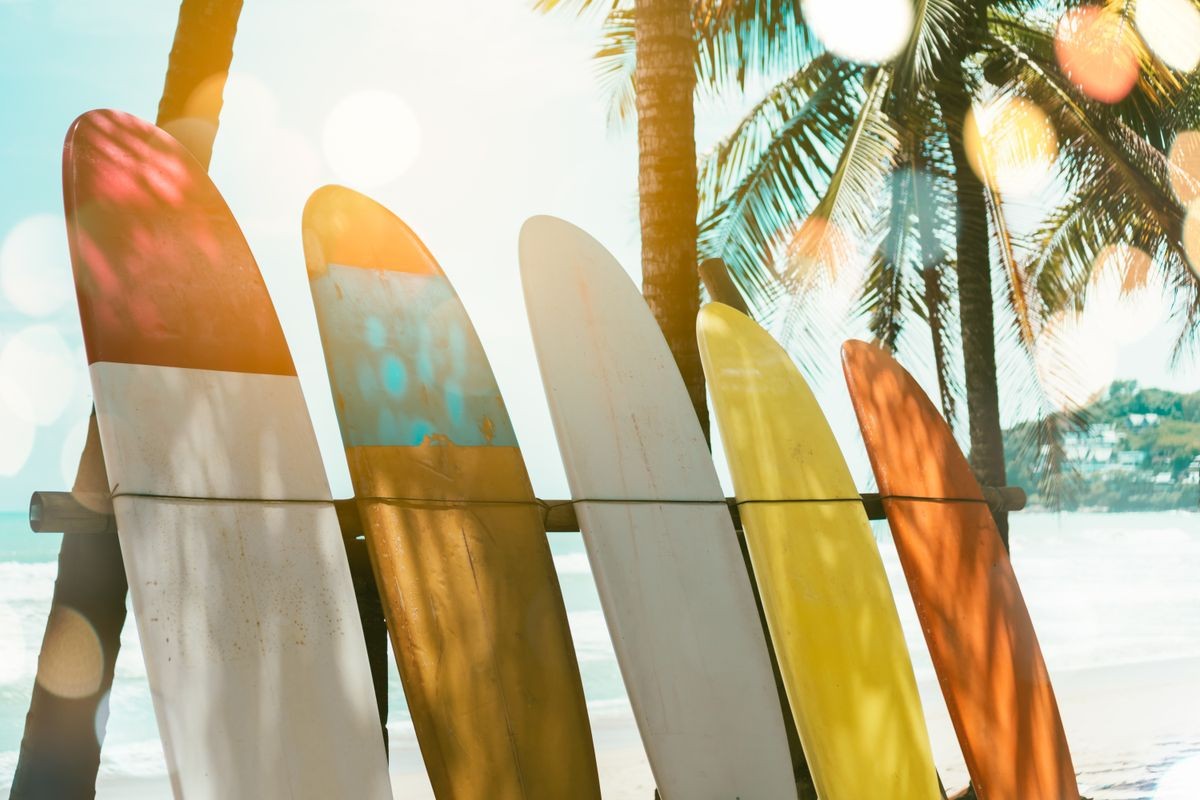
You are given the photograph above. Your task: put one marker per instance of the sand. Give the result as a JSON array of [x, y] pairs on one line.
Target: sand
[[1127, 725]]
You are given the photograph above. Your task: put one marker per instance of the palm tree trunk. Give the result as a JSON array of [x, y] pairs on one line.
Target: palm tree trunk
[[60, 748], [665, 79], [190, 107], [976, 320]]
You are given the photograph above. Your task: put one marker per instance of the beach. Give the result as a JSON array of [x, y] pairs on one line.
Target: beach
[[1113, 596], [1127, 724]]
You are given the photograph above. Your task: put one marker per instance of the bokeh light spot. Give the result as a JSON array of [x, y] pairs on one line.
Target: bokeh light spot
[[1171, 28], [37, 374], [1077, 352], [1128, 266], [72, 449], [16, 439], [35, 266], [1124, 299], [818, 252], [72, 661], [1075, 359], [1185, 166], [1191, 236], [868, 31], [1095, 50], [1010, 145], [371, 138]]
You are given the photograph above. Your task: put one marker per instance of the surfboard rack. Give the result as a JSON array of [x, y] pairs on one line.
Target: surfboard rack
[[64, 512]]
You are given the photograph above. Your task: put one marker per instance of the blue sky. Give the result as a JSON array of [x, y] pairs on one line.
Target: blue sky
[[503, 120]]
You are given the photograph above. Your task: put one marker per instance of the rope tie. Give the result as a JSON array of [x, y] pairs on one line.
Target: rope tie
[[544, 506]]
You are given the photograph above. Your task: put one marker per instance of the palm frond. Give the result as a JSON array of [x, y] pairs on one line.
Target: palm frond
[[760, 181], [885, 295], [616, 61], [937, 23], [1016, 285], [935, 207], [1122, 180], [851, 199], [738, 39]]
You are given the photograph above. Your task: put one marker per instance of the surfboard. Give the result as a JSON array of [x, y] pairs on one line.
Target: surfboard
[[238, 577], [980, 636], [826, 597], [672, 581], [456, 539]]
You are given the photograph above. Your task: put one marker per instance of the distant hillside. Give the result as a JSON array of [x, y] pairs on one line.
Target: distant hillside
[[1139, 451]]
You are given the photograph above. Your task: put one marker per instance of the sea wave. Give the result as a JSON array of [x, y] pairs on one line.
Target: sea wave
[[572, 564], [590, 634], [20, 580]]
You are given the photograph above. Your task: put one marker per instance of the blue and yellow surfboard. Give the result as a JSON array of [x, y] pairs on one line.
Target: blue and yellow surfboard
[[457, 544]]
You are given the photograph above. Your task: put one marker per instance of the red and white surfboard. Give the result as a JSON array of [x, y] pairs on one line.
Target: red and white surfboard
[[241, 592]]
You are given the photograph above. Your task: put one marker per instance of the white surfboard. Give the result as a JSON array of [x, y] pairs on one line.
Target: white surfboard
[[676, 594], [241, 592]]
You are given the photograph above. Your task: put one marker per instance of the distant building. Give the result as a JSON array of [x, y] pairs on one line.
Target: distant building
[[1130, 460], [1138, 420], [1095, 450], [1191, 475]]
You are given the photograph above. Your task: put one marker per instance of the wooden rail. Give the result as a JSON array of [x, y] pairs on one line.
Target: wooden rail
[[64, 512]]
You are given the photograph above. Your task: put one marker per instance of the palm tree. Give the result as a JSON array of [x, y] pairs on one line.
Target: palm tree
[[60, 750], [665, 83], [668, 202], [838, 153]]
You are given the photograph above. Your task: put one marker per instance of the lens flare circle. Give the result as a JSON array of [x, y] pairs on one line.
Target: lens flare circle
[[71, 450], [1095, 50], [867, 31], [1010, 145], [1171, 28], [72, 660], [17, 436], [1184, 163], [37, 374], [1191, 236], [1075, 359], [819, 252], [35, 266], [1125, 297], [371, 138]]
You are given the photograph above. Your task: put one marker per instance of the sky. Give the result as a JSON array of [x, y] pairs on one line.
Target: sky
[[493, 114]]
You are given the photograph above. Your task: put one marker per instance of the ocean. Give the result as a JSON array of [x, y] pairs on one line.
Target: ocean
[[1104, 590]]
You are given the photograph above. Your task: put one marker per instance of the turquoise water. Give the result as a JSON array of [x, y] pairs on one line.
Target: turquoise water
[[1103, 589]]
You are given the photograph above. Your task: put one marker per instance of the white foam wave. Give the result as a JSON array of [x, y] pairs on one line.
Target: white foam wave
[[572, 564], [23, 581], [590, 634]]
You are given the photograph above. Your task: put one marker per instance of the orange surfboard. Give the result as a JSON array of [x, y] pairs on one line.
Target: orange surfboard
[[976, 624]]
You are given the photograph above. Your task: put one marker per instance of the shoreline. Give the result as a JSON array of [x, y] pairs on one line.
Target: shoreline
[[1126, 723]]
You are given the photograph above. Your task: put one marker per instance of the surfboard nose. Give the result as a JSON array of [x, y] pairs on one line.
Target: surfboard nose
[[347, 228], [543, 243], [163, 273]]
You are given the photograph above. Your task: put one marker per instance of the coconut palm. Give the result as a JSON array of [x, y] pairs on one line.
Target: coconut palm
[[665, 83], [838, 153]]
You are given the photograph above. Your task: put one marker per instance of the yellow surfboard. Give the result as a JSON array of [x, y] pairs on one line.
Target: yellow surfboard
[[830, 611]]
